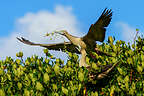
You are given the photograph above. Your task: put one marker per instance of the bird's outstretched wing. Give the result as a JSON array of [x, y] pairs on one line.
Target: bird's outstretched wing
[[97, 31], [57, 47]]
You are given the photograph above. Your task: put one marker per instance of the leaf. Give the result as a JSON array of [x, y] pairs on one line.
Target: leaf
[[113, 59], [81, 76], [126, 79], [19, 54], [9, 77], [45, 51], [139, 69], [2, 93], [39, 86], [114, 48], [120, 70], [127, 85], [129, 60], [110, 39], [19, 85], [137, 29], [1, 71], [47, 34], [133, 46], [112, 89], [65, 91], [131, 91], [133, 86], [56, 94], [70, 54], [26, 92], [79, 87], [69, 63], [56, 69], [119, 79], [54, 86], [18, 61], [46, 77], [94, 66]]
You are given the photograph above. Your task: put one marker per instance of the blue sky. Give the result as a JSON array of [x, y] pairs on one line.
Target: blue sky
[[127, 16]]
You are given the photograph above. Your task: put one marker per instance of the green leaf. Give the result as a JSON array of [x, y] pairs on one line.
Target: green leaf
[[139, 69], [54, 86], [39, 86], [94, 66], [20, 54], [130, 61], [56, 94], [110, 39], [112, 89], [46, 77], [19, 85], [120, 70], [2, 93], [137, 29], [56, 69], [80, 85], [26, 92], [65, 91], [81, 76], [126, 79]]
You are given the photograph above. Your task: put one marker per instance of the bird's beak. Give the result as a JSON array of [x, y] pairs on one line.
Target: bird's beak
[[61, 32]]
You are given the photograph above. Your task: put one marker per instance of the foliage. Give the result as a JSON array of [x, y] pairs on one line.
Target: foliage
[[50, 76]]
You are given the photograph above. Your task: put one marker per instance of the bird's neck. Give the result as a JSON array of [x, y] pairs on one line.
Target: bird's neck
[[73, 39]]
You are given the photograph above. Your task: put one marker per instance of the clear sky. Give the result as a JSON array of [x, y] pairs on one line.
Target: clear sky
[[33, 18]]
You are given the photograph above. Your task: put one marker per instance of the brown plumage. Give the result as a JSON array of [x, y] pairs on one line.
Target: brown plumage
[[97, 30]]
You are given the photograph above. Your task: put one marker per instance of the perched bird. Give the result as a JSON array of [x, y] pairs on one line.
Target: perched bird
[[83, 44], [105, 71]]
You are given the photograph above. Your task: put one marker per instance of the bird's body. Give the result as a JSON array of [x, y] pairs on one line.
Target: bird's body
[[75, 40]]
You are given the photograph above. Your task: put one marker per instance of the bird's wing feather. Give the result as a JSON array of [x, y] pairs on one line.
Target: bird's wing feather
[[97, 30], [57, 47]]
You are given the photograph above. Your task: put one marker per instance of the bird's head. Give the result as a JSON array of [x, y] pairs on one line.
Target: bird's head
[[61, 32]]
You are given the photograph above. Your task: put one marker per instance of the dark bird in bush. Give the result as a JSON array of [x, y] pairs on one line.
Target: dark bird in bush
[[83, 44]]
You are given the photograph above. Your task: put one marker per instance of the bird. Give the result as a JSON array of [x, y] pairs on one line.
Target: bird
[[96, 32], [80, 45], [104, 72]]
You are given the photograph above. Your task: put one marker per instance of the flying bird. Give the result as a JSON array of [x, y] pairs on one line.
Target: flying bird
[[80, 45]]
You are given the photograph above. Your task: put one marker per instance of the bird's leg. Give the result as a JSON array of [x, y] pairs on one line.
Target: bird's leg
[[78, 48], [83, 59]]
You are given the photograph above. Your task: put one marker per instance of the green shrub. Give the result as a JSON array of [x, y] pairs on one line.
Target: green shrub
[[50, 76]]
